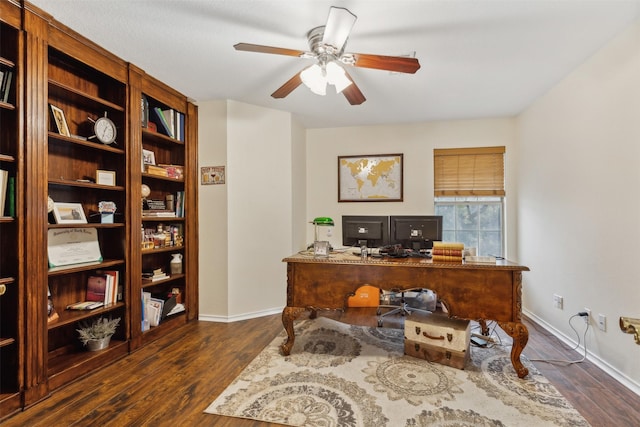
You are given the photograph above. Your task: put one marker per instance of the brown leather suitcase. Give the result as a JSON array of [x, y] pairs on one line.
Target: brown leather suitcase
[[443, 356]]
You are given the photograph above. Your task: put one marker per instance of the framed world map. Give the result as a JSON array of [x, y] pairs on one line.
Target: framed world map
[[370, 178]]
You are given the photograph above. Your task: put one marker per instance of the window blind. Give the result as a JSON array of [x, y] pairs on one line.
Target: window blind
[[469, 171]]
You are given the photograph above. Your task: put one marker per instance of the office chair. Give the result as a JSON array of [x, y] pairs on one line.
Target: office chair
[[403, 307]]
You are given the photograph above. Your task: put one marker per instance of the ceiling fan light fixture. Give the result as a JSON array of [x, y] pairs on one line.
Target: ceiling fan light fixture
[[337, 76], [314, 78]]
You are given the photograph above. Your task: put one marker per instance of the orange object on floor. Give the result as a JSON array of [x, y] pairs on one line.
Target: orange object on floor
[[366, 296]]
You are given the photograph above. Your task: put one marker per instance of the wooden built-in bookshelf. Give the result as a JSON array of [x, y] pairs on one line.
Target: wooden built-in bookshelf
[[84, 82]]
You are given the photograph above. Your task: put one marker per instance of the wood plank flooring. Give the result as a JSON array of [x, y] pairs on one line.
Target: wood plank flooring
[[171, 381]]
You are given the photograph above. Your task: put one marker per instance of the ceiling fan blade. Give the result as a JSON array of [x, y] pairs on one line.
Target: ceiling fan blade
[[248, 47], [352, 92], [400, 64], [338, 27], [288, 87]]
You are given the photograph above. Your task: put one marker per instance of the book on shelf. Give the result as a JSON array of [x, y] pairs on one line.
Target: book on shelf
[[144, 105], [161, 122], [180, 204], [113, 282], [156, 170], [154, 204], [158, 213], [97, 288], [170, 117], [4, 178], [5, 85], [146, 296], [10, 208], [173, 171], [85, 305]]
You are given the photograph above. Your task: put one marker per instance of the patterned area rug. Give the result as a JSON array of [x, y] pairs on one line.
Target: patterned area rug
[[344, 375]]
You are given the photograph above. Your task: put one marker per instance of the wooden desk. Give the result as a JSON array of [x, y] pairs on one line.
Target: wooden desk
[[470, 291]]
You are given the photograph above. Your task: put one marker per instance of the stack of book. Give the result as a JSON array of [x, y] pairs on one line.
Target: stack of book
[[447, 252], [156, 170], [156, 208], [154, 275]]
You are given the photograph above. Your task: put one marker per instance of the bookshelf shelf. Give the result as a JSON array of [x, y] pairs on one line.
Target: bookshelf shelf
[[76, 268], [57, 138], [171, 278], [88, 225], [61, 90], [73, 316], [161, 178]]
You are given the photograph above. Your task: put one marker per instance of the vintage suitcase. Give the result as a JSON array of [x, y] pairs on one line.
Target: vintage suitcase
[[443, 356], [438, 330]]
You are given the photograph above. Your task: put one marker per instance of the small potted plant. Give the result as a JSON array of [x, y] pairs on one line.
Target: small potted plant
[[97, 334]]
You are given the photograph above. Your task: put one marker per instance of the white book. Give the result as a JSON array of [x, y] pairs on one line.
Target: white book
[[4, 177]]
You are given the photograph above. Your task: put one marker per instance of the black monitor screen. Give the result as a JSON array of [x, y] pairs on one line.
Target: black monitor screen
[[372, 231], [415, 232]]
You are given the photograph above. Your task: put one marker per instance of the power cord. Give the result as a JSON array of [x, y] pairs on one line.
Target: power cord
[[489, 340], [584, 339]]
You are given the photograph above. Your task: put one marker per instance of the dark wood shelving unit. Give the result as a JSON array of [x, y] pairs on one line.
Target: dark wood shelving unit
[[85, 82]]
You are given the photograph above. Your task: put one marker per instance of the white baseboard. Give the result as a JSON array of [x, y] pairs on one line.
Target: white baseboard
[[238, 317], [593, 358]]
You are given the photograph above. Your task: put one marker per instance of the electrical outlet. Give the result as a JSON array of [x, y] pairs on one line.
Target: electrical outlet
[[557, 301], [602, 322], [587, 319]]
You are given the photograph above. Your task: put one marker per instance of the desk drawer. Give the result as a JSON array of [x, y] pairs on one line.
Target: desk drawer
[[453, 358], [438, 330]]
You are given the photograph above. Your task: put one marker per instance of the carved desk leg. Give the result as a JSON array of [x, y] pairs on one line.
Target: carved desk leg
[[520, 336], [289, 314]]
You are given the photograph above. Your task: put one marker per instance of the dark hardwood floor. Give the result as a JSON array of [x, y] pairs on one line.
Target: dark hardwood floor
[[171, 381]]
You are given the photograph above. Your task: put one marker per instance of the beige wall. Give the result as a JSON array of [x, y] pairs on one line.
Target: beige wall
[[578, 188], [246, 224], [212, 210], [416, 142]]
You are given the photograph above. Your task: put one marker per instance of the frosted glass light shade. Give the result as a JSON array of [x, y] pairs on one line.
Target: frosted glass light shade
[[337, 77]]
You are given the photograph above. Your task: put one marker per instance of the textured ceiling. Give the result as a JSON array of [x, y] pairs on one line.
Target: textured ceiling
[[479, 58]]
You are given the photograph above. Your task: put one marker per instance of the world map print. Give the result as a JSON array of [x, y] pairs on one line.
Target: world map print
[[370, 178]]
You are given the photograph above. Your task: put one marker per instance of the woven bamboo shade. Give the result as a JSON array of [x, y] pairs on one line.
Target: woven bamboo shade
[[469, 171]]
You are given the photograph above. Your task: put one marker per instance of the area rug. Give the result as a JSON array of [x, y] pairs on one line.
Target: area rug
[[345, 375]]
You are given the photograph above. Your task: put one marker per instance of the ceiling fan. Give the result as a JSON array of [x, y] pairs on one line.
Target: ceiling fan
[[327, 44]]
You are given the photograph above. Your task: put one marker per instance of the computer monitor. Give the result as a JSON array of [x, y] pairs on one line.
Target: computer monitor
[[372, 231], [415, 231]]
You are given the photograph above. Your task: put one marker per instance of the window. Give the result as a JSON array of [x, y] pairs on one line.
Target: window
[[475, 221], [469, 194]]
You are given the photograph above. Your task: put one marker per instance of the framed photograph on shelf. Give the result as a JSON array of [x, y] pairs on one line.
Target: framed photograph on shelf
[[60, 121], [212, 175], [148, 157], [106, 177], [69, 213], [370, 178]]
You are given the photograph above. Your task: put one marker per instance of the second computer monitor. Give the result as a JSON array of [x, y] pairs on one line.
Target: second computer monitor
[[415, 231]]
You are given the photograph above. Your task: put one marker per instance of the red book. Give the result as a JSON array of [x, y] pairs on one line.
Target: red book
[[96, 288]]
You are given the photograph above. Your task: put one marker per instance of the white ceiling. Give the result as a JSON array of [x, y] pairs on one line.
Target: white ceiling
[[479, 58]]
